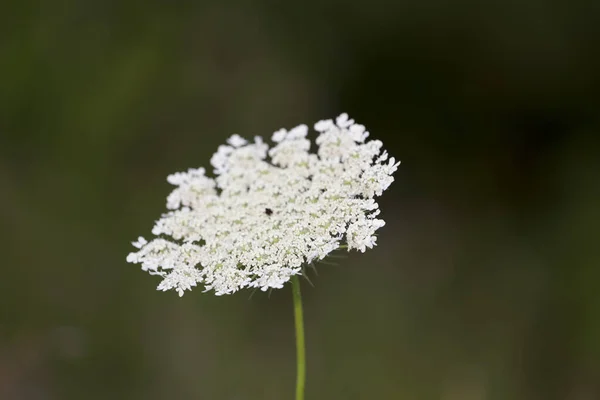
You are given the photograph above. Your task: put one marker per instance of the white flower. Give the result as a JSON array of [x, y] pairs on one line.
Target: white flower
[[268, 212], [141, 242], [236, 141]]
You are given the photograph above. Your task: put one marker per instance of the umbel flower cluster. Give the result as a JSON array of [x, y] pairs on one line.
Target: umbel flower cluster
[[269, 211]]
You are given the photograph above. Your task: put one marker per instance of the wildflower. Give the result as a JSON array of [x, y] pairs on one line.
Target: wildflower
[[269, 211]]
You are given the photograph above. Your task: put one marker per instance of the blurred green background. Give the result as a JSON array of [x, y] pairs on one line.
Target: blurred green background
[[486, 280]]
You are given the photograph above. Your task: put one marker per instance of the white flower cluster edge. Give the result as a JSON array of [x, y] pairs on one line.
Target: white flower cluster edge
[[269, 211]]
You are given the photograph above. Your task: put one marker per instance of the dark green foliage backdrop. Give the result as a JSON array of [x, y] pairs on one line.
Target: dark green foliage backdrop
[[486, 280]]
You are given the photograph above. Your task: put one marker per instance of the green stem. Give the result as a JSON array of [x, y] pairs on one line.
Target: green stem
[[300, 347]]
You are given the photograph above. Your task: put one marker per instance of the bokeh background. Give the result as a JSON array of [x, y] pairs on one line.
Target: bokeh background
[[485, 283]]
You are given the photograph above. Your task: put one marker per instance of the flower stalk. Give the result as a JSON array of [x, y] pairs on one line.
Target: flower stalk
[[300, 345]]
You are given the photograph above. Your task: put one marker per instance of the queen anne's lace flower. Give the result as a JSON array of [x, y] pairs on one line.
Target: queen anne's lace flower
[[268, 212]]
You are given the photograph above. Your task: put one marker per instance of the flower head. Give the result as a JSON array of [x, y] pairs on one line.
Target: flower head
[[269, 211]]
